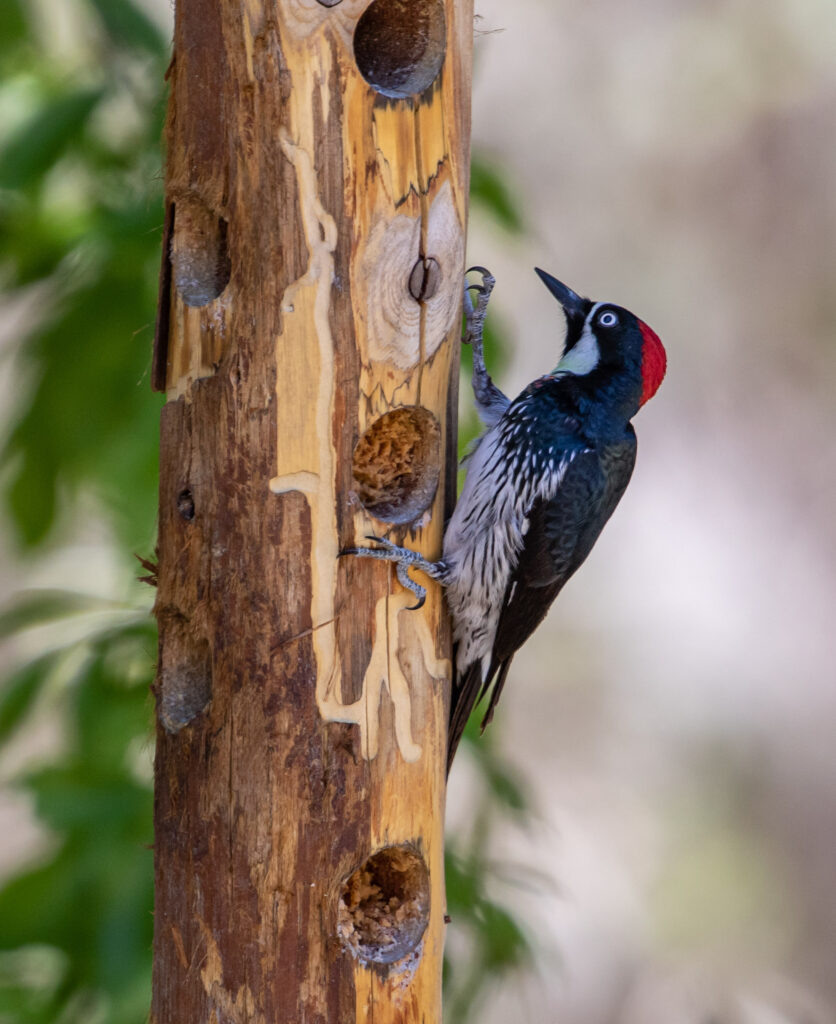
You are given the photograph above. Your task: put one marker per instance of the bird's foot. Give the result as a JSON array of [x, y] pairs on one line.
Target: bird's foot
[[491, 403], [404, 560], [475, 314]]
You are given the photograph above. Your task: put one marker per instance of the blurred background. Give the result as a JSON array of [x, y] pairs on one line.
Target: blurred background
[[647, 834]]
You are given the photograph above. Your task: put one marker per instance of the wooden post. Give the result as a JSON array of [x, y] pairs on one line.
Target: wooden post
[[307, 344]]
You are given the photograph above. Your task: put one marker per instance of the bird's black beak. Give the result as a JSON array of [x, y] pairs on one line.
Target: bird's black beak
[[573, 304]]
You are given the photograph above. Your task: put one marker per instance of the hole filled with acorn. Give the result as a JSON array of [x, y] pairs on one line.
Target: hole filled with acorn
[[397, 463], [399, 45], [199, 251]]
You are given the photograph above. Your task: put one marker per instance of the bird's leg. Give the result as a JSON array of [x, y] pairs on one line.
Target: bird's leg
[[404, 560], [491, 403]]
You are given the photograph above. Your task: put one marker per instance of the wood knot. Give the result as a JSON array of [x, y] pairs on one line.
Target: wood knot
[[424, 279], [405, 290]]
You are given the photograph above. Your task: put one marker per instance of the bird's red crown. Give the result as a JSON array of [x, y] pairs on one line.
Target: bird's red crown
[[654, 362]]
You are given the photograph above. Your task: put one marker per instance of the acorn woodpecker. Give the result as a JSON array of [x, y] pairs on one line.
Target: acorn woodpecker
[[543, 479]]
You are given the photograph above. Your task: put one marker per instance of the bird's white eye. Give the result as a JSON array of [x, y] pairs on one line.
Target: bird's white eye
[[608, 319]]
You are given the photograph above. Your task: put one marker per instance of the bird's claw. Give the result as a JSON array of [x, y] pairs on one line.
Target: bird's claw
[[485, 287], [405, 580], [486, 274], [487, 284]]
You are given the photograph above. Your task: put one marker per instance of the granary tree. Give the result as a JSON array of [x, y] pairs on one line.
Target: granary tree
[[307, 345]]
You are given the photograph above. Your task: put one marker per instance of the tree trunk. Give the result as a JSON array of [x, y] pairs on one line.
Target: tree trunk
[[307, 343]]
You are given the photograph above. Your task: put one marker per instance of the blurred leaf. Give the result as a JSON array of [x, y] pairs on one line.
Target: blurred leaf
[[19, 691], [29, 981], [64, 437], [31, 498], [36, 607], [497, 941], [462, 884], [33, 240], [506, 787], [80, 796], [92, 898], [503, 942], [37, 144], [34, 905], [129, 26], [489, 190], [111, 714], [12, 24], [473, 734], [93, 901]]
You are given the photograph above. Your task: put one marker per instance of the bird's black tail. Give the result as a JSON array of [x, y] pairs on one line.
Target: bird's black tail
[[503, 667], [468, 690]]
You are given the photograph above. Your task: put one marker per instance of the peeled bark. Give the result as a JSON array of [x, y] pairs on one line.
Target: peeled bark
[[308, 346]]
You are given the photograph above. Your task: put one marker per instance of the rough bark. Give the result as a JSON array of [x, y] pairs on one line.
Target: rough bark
[[301, 707]]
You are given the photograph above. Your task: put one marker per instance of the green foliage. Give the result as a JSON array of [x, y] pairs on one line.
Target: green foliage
[[80, 220], [36, 607], [12, 23], [491, 941], [41, 140], [129, 27], [80, 226], [19, 693], [80, 216], [63, 438], [88, 901], [489, 189]]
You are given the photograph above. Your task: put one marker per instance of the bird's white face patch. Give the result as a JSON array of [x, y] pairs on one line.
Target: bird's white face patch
[[583, 357]]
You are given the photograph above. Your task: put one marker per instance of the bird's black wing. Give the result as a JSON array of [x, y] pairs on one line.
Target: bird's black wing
[[562, 530], [539, 575]]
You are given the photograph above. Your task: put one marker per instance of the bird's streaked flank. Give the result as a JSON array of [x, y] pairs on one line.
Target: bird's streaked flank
[[541, 483]]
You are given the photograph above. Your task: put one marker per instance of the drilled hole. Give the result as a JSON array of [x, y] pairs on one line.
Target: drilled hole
[[399, 45], [385, 906], [396, 464], [185, 504], [199, 253], [185, 682]]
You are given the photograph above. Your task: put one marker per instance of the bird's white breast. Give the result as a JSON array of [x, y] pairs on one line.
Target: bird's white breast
[[506, 474]]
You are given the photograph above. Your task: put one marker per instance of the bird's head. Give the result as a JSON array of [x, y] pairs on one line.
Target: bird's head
[[607, 342]]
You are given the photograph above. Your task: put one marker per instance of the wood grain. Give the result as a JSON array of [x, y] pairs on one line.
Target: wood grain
[[302, 708]]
